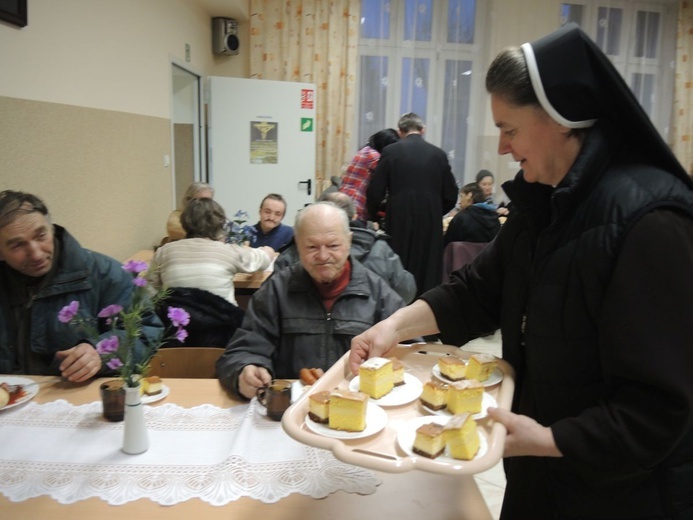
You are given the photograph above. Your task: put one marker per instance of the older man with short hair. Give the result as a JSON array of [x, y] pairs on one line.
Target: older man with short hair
[[305, 316], [42, 269], [370, 248]]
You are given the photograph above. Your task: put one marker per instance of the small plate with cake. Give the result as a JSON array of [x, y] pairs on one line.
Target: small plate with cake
[[401, 394], [431, 442], [375, 421], [153, 390], [482, 367], [487, 401]]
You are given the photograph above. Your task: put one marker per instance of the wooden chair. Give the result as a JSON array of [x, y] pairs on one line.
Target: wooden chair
[[185, 362]]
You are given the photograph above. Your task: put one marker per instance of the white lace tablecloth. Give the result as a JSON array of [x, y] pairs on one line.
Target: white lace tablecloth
[[217, 455]]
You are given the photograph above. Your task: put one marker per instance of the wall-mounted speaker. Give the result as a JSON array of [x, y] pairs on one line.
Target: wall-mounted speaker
[[225, 36]]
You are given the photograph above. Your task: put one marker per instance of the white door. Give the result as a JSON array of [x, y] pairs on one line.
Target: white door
[[261, 140]]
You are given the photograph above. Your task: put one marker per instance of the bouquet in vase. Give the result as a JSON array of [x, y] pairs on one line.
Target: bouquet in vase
[[238, 232], [123, 349]]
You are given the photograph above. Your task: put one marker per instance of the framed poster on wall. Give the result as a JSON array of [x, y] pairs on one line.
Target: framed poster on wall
[[14, 11]]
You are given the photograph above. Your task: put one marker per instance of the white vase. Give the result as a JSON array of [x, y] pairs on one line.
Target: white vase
[[135, 436]]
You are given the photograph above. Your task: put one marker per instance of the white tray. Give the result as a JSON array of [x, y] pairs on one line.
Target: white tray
[[381, 451]]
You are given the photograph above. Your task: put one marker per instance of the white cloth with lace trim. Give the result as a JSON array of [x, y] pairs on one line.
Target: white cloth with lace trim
[[71, 453]]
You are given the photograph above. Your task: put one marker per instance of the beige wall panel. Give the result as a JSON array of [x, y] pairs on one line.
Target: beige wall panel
[[101, 173], [185, 161]]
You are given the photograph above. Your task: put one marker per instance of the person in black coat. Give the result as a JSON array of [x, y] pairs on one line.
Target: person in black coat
[[420, 188], [477, 221]]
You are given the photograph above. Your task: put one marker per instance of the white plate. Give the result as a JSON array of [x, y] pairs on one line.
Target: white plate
[[149, 399], [376, 420], [486, 401], [30, 391], [402, 394], [495, 377], [406, 436]]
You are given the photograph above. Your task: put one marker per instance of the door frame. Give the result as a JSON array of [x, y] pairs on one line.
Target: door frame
[[199, 125]]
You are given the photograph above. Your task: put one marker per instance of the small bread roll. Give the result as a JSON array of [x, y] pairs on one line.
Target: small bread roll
[[307, 377], [4, 397]]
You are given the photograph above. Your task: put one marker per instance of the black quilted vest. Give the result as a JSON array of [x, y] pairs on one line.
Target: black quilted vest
[[557, 270], [576, 234]]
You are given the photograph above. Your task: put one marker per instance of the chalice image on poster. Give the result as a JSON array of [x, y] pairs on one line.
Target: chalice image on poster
[[263, 142]]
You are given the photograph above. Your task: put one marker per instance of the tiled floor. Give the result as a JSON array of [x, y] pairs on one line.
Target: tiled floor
[[491, 482]]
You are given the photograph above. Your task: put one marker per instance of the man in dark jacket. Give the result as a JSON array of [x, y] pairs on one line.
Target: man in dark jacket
[[369, 248], [42, 269], [306, 315], [420, 188], [477, 221]]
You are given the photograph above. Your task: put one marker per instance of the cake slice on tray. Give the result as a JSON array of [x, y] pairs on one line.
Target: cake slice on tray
[[429, 440], [347, 410]]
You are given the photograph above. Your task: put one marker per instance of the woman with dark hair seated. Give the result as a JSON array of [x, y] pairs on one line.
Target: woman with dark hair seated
[[200, 268]]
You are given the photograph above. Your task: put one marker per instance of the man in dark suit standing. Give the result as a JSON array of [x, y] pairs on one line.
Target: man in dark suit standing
[[420, 188]]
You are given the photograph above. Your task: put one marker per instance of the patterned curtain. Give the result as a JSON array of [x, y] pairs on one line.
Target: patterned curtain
[[312, 41], [682, 120]]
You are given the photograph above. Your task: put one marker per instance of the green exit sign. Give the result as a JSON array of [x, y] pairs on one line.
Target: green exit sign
[[306, 124]]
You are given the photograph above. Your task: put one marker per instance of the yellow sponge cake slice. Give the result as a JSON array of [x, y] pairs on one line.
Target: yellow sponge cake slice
[[375, 377], [434, 395], [319, 407], [451, 367], [429, 440], [465, 396], [481, 366], [348, 410], [151, 385], [461, 437], [397, 371]]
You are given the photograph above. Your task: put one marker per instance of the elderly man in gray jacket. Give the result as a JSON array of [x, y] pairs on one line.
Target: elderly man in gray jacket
[[305, 316], [369, 248]]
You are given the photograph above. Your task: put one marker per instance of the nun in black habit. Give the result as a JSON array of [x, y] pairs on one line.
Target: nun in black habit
[[590, 281]]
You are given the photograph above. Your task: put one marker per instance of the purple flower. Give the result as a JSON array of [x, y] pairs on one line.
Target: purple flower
[[139, 281], [179, 317], [114, 363], [135, 266], [110, 311], [181, 334], [108, 345], [68, 312]]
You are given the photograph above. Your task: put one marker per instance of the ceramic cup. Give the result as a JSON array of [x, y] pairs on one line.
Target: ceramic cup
[[276, 398], [113, 399]]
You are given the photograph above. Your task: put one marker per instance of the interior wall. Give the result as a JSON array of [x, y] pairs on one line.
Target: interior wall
[[510, 23], [85, 111]]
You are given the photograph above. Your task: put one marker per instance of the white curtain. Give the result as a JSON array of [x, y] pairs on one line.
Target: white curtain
[[312, 41], [682, 118]]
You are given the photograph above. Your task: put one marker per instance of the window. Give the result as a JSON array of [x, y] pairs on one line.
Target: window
[[425, 56], [418, 56], [639, 39]]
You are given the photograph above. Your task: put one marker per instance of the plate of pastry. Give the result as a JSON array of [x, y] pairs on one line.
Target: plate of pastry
[[16, 390], [154, 390], [487, 401], [405, 393], [431, 442], [493, 379], [376, 420]]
